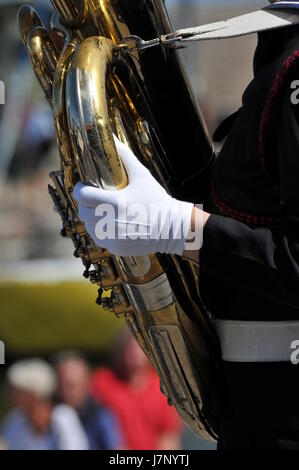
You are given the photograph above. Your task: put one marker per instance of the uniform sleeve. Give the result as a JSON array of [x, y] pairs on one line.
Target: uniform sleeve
[[262, 260]]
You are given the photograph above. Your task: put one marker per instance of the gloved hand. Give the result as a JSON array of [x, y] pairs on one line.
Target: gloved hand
[[138, 220]]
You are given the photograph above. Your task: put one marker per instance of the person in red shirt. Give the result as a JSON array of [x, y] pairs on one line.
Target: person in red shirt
[[131, 389]]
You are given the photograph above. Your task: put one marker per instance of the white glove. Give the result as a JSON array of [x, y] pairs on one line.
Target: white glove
[[138, 220]]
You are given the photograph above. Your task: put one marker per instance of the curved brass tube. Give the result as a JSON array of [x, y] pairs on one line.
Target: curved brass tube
[[88, 115], [28, 19], [40, 47], [94, 88], [44, 58], [72, 14]]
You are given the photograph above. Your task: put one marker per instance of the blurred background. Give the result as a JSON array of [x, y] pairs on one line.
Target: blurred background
[[47, 310]]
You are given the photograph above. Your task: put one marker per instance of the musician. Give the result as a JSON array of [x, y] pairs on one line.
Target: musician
[[249, 259]]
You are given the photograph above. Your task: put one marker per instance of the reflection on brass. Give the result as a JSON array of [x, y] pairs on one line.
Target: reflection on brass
[[72, 13], [94, 89], [40, 48]]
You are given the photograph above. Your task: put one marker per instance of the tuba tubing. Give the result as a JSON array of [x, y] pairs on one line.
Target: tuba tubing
[[95, 89]]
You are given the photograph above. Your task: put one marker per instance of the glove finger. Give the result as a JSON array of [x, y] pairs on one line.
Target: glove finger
[[133, 166], [86, 214], [104, 243], [90, 196]]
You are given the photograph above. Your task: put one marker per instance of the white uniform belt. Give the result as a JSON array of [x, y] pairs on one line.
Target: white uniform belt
[[257, 341]]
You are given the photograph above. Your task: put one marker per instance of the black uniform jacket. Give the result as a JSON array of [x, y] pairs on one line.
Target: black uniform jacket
[[250, 256]]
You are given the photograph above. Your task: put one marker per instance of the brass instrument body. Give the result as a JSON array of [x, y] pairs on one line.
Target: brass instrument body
[[95, 88]]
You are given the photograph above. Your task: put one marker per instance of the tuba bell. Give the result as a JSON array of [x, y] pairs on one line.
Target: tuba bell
[[96, 88]]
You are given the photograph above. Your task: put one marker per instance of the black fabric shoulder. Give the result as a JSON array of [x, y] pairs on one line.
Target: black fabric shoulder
[[275, 45]]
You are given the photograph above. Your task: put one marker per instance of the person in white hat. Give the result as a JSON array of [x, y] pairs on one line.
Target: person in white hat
[[36, 423]]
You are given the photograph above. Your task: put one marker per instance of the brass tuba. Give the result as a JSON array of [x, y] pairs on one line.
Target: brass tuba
[[95, 87]]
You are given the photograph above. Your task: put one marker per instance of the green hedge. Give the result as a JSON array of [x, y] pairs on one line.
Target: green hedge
[[43, 318]]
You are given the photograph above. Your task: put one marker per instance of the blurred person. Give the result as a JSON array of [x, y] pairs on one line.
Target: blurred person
[[36, 141], [2, 445], [132, 390], [36, 423], [100, 424]]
